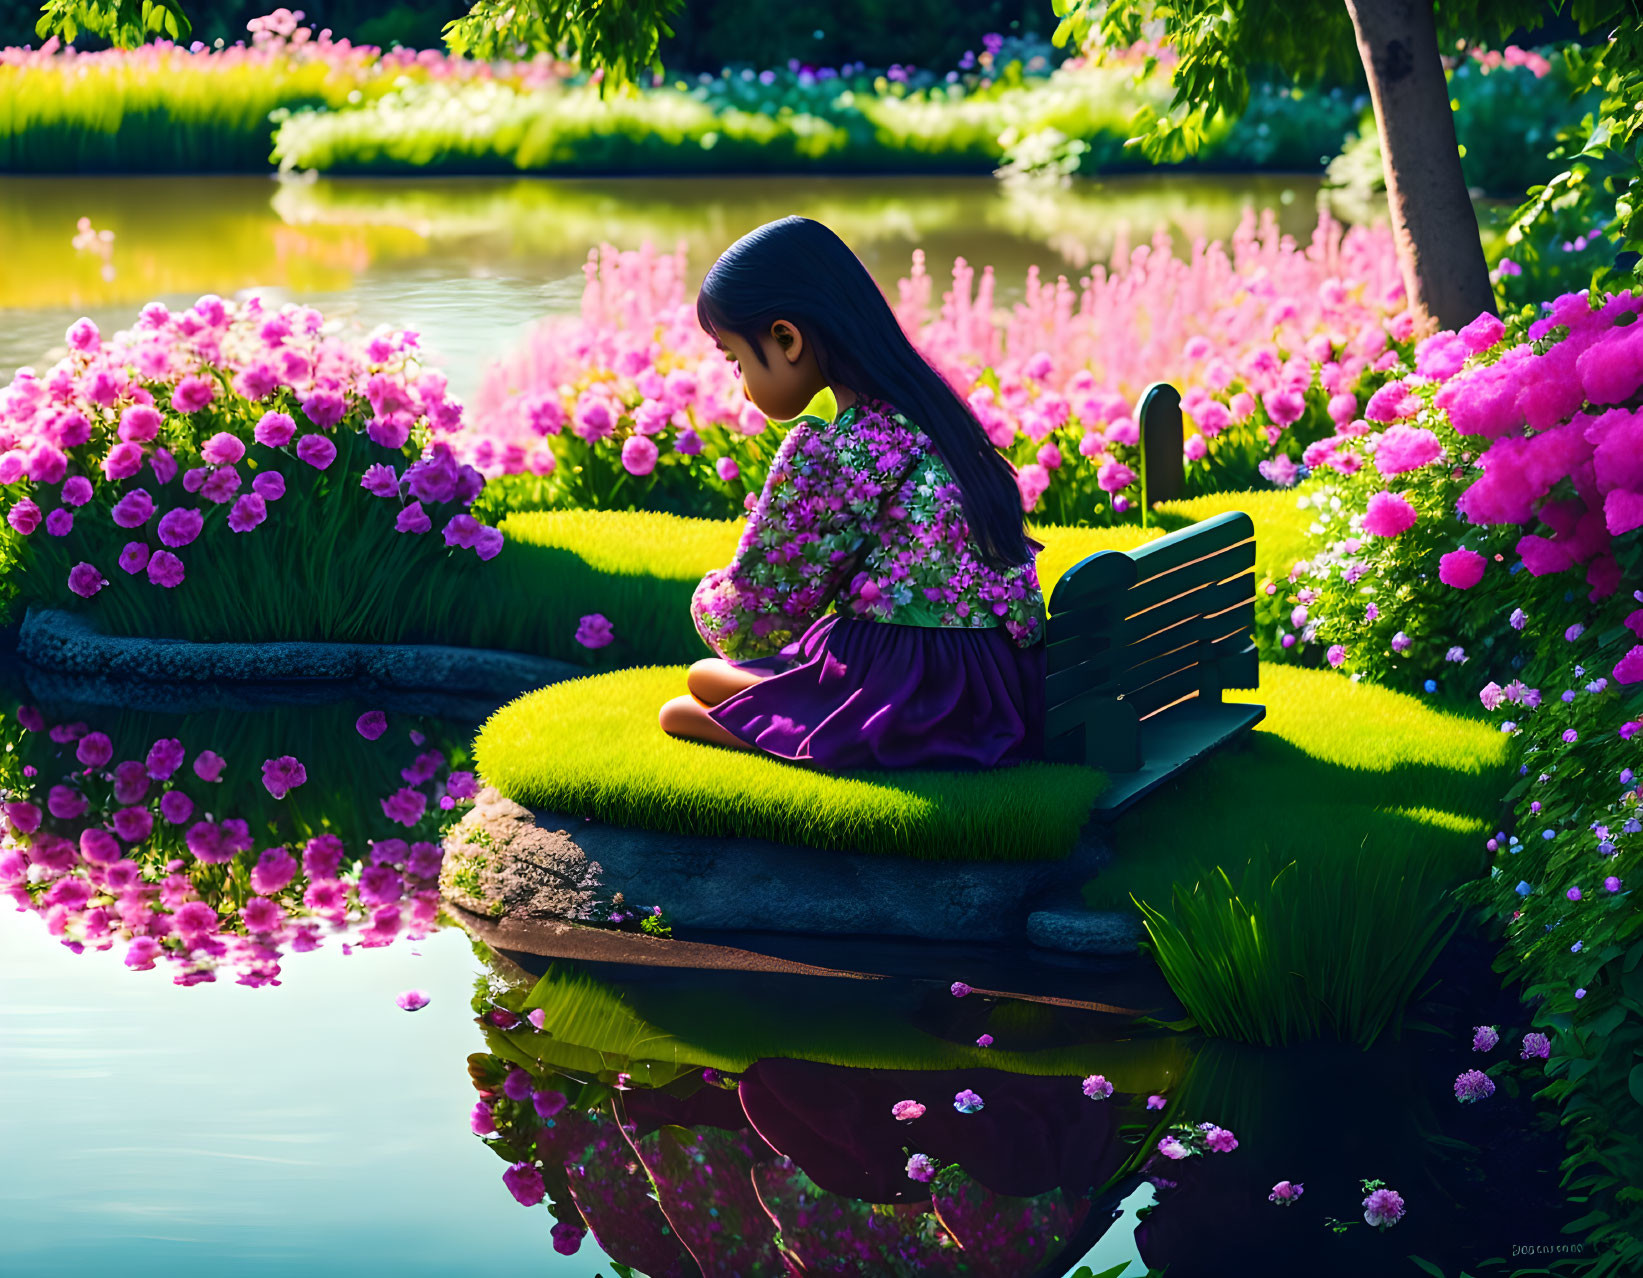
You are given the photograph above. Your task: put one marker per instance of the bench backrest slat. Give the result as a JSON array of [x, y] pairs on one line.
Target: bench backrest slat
[[1133, 633]]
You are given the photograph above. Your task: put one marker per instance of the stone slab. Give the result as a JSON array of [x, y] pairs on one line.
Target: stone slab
[[66, 642], [1078, 931], [504, 860]]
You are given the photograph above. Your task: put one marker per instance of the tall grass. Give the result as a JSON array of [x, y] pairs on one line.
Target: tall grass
[[1320, 896], [593, 747]]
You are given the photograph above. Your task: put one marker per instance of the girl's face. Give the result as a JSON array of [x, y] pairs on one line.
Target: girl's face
[[783, 384]]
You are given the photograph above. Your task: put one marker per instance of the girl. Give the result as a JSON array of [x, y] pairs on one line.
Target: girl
[[900, 512]]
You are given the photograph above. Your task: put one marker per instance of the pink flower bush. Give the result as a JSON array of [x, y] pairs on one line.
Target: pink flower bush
[[1269, 340], [1388, 514], [250, 389]]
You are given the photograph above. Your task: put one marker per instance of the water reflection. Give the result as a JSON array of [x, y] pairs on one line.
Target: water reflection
[[471, 263]]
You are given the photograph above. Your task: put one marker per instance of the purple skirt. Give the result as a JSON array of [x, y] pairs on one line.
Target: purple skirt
[[852, 693]]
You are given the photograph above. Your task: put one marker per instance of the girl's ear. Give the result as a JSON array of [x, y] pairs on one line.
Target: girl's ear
[[789, 339]]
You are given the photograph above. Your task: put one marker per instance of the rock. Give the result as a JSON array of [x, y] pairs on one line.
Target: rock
[[498, 862], [1078, 931], [740, 884], [68, 643]]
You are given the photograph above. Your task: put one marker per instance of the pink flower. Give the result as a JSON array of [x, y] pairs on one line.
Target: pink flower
[[84, 580], [1284, 1193], [1404, 448], [405, 806], [76, 490], [1219, 1139], [1097, 1088], [906, 1111], [321, 856], [193, 919], [165, 569], [415, 1001], [99, 847], [139, 423], [1172, 1148], [192, 394], [1336, 655], [594, 631], [727, 469], [960, 990], [639, 454], [922, 1168], [1156, 1102], [372, 724], [1283, 406], [273, 872], [208, 765], [1391, 402], [261, 915], [1629, 669], [481, 1122], [324, 409], [222, 449], [318, 451], [1461, 568], [274, 430], [269, 485], [1114, 477], [1388, 515], [24, 516]]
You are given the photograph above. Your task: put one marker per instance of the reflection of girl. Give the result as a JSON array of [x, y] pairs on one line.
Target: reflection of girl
[[900, 508]]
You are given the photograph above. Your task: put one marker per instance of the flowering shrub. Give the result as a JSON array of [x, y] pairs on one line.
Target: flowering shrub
[[142, 852], [121, 474], [1516, 449], [630, 405]]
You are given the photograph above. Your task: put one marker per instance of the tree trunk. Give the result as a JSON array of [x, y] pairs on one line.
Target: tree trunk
[[1433, 223]]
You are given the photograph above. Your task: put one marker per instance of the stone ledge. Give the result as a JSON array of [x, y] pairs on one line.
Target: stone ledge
[[1079, 931], [503, 860], [67, 643]]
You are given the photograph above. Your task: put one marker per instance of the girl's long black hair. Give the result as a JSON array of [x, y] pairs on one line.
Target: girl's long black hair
[[798, 270]]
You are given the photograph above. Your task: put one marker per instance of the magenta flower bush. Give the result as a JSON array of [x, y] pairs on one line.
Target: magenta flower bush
[[231, 453], [1274, 349], [116, 853]]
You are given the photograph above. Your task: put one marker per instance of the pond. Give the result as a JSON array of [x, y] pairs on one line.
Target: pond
[[471, 264], [272, 1106]]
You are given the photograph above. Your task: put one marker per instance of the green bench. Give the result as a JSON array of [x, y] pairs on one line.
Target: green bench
[[1141, 644]]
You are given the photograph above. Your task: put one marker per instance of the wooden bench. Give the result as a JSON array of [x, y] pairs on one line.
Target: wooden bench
[[1141, 644]]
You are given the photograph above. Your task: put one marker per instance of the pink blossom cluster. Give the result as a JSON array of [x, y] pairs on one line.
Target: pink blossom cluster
[[118, 853], [159, 419], [1263, 340], [1511, 56], [280, 43]]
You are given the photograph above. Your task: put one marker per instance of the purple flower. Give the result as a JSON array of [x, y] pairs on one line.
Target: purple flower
[[1156, 1102], [372, 724], [481, 1121], [85, 581], [548, 1103], [380, 480], [405, 806], [1536, 1045], [192, 394], [1219, 1139], [282, 775], [1383, 1208], [1485, 1038], [1517, 619], [567, 1237], [165, 569], [412, 1001], [269, 485], [1285, 1194], [967, 1102], [961, 990], [273, 430], [1097, 1087], [922, 1168], [986, 1040], [1611, 884], [1171, 1147], [524, 1182], [319, 452], [1473, 1085], [594, 631], [181, 526]]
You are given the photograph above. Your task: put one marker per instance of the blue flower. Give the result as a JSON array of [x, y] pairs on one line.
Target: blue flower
[[1575, 948], [1548, 834], [1523, 889], [1431, 685]]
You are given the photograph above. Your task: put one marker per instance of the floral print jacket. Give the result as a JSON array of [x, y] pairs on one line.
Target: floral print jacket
[[821, 498]]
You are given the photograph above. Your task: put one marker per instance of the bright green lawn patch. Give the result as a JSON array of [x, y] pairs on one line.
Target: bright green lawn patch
[[593, 747], [1299, 884], [639, 568], [1280, 525]]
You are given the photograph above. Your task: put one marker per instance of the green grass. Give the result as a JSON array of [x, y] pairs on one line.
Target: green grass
[[593, 747], [655, 1035], [638, 568], [1314, 897]]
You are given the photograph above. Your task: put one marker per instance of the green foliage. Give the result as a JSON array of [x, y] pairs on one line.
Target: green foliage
[[593, 747], [618, 37], [1603, 177], [865, 124], [1219, 44], [1321, 904], [126, 23]]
